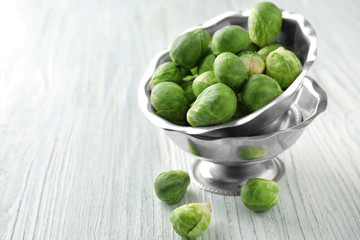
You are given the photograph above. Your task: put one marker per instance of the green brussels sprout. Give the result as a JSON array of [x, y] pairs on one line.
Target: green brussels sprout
[[253, 62], [191, 220], [184, 71], [187, 49], [203, 81], [215, 105], [259, 91], [166, 72], [240, 112], [264, 23], [188, 90], [170, 102], [283, 66], [194, 70], [171, 186], [206, 64], [259, 194], [252, 47], [264, 52], [232, 38], [250, 153], [229, 69], [189, 78]]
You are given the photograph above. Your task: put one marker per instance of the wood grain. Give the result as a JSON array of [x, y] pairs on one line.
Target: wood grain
[[78, 158]]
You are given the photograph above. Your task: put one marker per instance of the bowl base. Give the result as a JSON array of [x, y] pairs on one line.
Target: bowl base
[[228, 179]]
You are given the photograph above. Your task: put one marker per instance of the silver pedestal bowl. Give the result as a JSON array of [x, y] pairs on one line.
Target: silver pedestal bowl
[[231, 153]]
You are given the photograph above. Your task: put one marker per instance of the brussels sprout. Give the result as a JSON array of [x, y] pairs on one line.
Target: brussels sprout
[[252, 47], [185, 71], [191, 220], [283, 66], [259, 91], [194, 70], [188, 90], [264, 52], [206, 64], [187, 49], [264, 23], [170, 102], [229, 69], [259, 194], [240, 112], [253, 62], [171, 186], [215, 105], [203, 81], [250, 153], [166, 72], [232, 38], [190, 78]]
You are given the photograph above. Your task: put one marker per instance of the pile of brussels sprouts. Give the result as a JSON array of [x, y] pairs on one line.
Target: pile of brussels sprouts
[[191, 220], [213, 80]]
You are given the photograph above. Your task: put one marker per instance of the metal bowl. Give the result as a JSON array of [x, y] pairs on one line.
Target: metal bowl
[[296, 34]]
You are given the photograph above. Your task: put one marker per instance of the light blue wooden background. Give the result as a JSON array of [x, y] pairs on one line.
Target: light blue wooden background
[[78, 158]]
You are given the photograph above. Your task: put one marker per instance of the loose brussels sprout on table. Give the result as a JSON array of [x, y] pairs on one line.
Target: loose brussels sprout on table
[[203, 81], [259, 194], [265, 23], [231, 38], [171, 186], [259, 91], [187, 49], [284, 66], [216, 104], [191, 220], [230, 70], [231, 56], [170, 102]]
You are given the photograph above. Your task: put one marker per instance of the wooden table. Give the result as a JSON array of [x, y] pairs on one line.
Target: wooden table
[[78, 158]]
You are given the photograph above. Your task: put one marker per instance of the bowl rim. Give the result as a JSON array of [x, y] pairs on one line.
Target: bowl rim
[[144, 93]]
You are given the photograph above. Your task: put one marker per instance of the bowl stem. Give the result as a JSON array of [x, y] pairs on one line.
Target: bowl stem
[[228, 179]]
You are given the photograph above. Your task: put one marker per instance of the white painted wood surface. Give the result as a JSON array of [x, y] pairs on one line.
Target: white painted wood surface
[[78, 158]]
